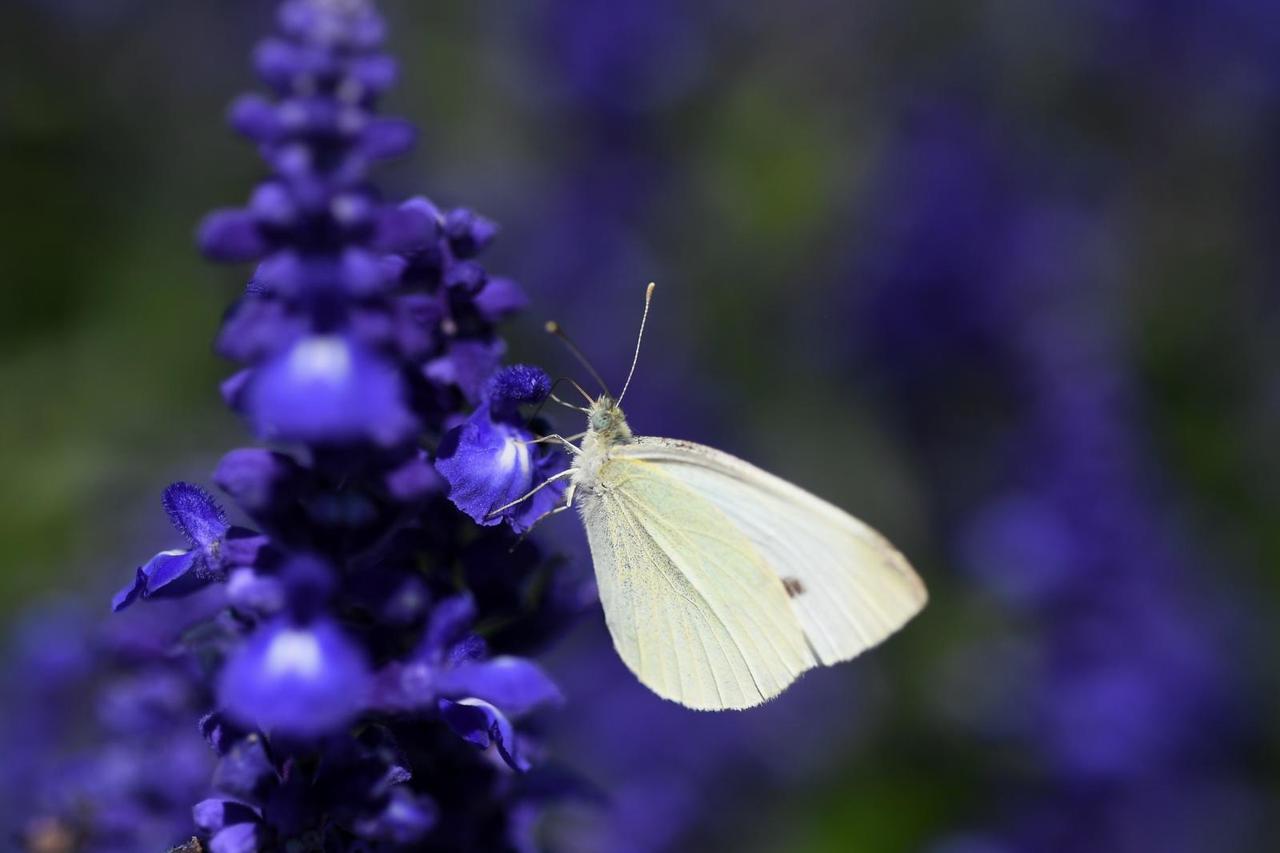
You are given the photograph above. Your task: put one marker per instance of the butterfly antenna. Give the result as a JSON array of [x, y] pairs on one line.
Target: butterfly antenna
[[554, 328], [648, 297], [551, 397], [582, 391]]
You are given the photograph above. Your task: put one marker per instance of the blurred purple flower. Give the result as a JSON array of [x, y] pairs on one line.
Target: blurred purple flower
[[300, 680], [326, 388], [97, 737], [989, 311]]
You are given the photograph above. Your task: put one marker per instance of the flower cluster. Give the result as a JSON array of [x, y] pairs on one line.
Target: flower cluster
[[359, 668]]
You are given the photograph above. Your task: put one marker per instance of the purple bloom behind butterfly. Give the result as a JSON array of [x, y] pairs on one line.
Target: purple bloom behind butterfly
[[489, 461]]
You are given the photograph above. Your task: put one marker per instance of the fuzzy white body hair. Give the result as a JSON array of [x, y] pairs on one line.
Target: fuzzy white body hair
[[606, 429]]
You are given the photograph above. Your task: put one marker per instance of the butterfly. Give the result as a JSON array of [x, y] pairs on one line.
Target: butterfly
[[721, 583]]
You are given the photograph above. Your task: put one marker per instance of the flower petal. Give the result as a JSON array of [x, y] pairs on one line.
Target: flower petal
[[232, 236], [215, 813], [167, 574], [500, 298], [258, 593], [478, 722], [129, 593], [466, 365], [486, 464], [326, 388], [468, 232], [450, 620], [414, 480], [299, 680], [166, 569], [236, 838], [411, 229], [385, 138], [514, 684]]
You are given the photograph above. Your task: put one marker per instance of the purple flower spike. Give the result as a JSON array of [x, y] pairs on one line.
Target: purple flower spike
[[366, 332], [296, 680], [328, 389], [488, 461], [480, 723]]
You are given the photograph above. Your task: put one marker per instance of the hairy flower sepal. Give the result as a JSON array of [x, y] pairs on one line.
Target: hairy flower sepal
[[489, 461], [215, 546]]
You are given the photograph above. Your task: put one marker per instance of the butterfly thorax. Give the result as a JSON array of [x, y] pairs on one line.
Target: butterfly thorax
[[606, 428]]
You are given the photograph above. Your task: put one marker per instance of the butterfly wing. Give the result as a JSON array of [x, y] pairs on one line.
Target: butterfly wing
[[694, 610], [848, 586]]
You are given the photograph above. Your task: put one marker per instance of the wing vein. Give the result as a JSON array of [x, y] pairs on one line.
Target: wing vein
[[627, 509], [761, 629]]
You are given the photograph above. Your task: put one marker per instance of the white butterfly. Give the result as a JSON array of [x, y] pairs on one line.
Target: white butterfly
[[720, 582]]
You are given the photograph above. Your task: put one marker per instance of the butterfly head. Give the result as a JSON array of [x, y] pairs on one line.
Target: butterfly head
[[606, 421]]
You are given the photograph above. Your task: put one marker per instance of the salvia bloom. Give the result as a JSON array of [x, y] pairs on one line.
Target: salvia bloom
[[356, 663]]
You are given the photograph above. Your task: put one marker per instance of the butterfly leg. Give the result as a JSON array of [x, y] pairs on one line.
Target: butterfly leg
[[566, 442], [551, 396], [567, 472]]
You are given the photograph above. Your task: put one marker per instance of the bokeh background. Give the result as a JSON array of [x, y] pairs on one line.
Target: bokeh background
[[998, 277]]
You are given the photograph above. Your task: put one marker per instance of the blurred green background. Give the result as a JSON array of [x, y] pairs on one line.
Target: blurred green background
[[736, 154]]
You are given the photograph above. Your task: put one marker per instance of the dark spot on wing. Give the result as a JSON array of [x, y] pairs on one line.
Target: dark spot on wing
[[793, 586]]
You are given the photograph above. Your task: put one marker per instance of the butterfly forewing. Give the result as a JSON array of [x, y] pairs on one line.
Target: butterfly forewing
[[695, 610], [848, 587]]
